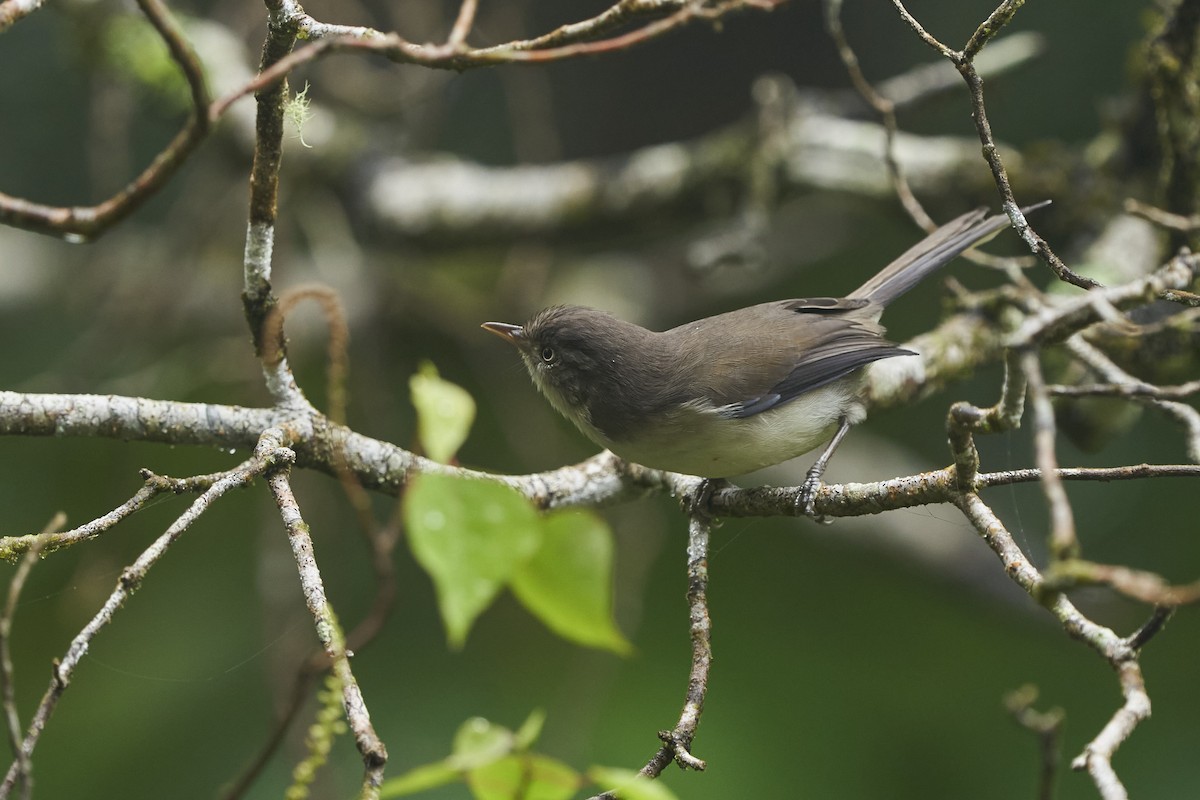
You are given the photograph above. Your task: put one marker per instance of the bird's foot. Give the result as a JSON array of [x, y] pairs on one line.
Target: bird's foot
[[806, 501], [699, 503]]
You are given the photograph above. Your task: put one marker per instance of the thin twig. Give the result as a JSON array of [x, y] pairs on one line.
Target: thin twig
[[267, 456], [462, 24], [1138, 584], [82, 223], [49, 541], [1184, 414], [1096, 757], [677, 742], [1135, 389], [1063, 541], [964, 63], [883, 106], [7, 678], [1047, 726], [329, 632], [338, 362], [1163, 218], [1120, 654]]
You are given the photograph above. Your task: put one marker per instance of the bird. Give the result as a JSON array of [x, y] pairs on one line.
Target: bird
[[739, 391]]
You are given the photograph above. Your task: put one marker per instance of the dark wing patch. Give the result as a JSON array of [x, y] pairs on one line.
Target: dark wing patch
[[823, 305], [817, 368]]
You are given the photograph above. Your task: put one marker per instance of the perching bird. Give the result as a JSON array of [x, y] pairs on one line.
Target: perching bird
[[735, 392]]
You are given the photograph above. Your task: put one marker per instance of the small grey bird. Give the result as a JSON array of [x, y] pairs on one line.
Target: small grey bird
[[735, 392]]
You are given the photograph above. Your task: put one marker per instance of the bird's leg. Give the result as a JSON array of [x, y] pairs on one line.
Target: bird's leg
[[806, 502]]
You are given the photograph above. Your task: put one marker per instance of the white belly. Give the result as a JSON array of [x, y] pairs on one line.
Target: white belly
[[701, 442]]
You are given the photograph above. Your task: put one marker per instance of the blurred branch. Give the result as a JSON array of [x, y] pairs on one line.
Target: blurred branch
[[1171, 65], [1046, 725], [288, 21], [886, 110], [820, 146], [79, 224], [568, 41]]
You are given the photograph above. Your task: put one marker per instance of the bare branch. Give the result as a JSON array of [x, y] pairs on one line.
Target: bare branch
[[1184, 414], [463, 23], [884, 107], [79, 224], [991, 26], [678, 741], [50, 540], [267, 457], [1096, 758], [1063, 541], [1046, 725], [329, 632], [24, 778], [964, 62]]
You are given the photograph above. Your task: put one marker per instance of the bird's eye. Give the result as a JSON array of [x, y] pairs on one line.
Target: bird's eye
[[548, 354]]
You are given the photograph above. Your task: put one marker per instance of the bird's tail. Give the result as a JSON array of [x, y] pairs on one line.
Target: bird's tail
[[933, 252]]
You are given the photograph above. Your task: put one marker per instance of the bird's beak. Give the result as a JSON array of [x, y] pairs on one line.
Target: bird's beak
[[513, 334]]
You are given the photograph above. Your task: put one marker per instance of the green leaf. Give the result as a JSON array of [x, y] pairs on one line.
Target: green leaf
[[479, 742], [420, 779], [470, 536], [530, 729], [445, 412], [568, 582], [528, 777], [628, 784]]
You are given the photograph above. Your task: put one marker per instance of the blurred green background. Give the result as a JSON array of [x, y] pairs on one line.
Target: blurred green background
[[867, 659]]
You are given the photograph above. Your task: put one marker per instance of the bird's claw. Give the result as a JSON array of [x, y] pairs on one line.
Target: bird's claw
[[699, 503], [806, 502]]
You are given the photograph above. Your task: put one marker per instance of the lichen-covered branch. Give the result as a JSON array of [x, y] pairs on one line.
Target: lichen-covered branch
[[329, 631]]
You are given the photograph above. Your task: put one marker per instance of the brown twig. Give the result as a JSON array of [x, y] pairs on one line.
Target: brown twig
[[338, 363], [86, 222], [883, 106], [963, 61], [580, 39], [677, 742]]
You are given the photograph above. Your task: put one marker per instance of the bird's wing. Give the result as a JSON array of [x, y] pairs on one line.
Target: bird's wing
[[798, 346], [818, 366]]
